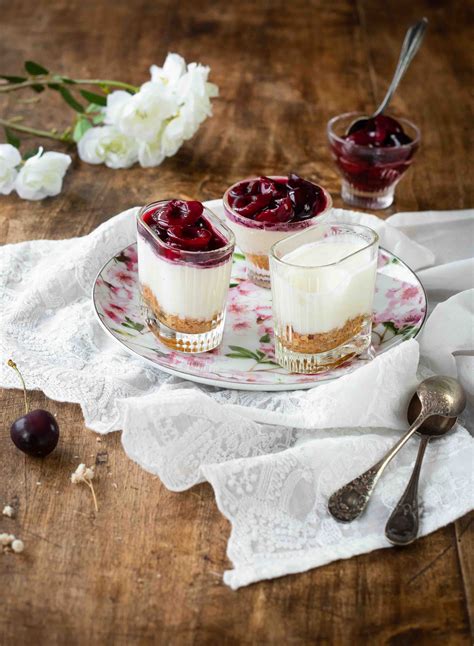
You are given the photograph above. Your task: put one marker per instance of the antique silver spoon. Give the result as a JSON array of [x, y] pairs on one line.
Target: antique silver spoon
[[441, 396], [402, 526], [411, 44]]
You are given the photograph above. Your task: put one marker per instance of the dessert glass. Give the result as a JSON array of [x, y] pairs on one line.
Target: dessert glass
[[184, 292], [323, 283], [255, 238], [369, 174]]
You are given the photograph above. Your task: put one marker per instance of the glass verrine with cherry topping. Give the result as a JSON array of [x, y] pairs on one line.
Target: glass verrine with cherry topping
[[184, 263], [371, 155], [263, 210]]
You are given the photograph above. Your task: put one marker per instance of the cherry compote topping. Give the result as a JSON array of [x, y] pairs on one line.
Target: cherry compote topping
[[277, 201], [378, 132], [182, 225], [374, 153]]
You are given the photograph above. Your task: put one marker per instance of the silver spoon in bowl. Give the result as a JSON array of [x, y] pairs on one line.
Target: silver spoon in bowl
[[402, 526], [411, 44], [437, 396]]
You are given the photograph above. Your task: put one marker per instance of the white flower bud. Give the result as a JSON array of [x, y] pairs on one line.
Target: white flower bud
[[9, 159], [42, 175]]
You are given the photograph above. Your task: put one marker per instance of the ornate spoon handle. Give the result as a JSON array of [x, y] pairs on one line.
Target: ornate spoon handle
[[402, 526], [411, 45], [348, 502]]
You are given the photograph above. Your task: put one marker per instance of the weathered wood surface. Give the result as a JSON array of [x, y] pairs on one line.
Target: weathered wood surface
[[147, 568]]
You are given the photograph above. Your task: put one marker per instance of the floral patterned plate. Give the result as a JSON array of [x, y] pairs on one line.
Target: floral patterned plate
[[245, 359]]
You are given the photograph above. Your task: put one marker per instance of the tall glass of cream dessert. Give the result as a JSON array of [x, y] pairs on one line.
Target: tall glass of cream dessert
[[323, 283], [184, 264], [263, 210]]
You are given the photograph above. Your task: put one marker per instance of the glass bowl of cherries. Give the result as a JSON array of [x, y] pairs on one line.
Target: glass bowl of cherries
[[371, 154]]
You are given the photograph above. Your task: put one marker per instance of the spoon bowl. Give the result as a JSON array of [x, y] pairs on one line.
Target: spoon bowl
[[449, 398], [436, 425]]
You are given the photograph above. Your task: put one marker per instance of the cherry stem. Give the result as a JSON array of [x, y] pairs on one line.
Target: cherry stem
[[13, 365]]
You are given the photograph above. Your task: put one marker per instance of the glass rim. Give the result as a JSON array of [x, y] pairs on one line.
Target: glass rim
[[273, 226], [374, 241], [206, 211], [356, 113]]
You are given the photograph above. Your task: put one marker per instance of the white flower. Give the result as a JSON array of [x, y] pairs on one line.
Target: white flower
[[106, 145], [78, 474], [8, 511], [174, 67], [42, 175], [17, 545], [9, 159], [141, 115], [164, 113], [150, 153], [85, 474]]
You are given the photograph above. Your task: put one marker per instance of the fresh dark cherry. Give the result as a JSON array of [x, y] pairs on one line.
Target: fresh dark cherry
[[192, 238], [378, 132], [182, 225], [37, 432], [276, 201], [175, 213]]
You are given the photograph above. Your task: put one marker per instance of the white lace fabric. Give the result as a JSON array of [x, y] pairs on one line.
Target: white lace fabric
[[272, 458]]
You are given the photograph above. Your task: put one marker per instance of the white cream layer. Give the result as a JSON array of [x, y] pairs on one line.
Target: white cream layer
[[259, 241], [184, 290], [255, 241], [314, 299]]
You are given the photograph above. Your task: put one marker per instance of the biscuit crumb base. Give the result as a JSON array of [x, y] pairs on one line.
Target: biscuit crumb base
[[316, 343], [184, 325], [259, 260]]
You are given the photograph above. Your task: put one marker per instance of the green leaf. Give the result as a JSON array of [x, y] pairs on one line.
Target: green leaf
[[234, 355], [92, 97], [70, 100], [265, 338], [233, 284], [260, 355], [35, 69], [11, 138], [81, 127], [390, 326], [65, 79], [38, 88], [30, 153], [132, 324], [239, 256], [13, 79], [99, 118], [54, 86], [248, 354]]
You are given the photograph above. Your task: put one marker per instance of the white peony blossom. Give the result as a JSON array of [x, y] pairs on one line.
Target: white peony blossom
[[153, 123], [42, 175], [174, 67], [142, 115], [150, 153], [107, 145], [10, 158]]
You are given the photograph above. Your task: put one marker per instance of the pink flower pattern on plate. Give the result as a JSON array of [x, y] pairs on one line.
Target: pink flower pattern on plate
[[246, 357]]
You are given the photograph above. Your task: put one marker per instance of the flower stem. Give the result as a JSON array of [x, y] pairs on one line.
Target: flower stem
[[34, 131], [41, 80], [91, 487], [13, 365]]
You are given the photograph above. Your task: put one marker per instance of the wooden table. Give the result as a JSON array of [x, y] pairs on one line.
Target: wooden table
[[147, 568]]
